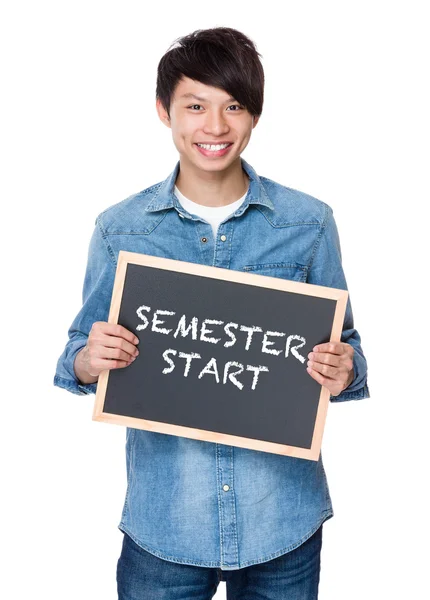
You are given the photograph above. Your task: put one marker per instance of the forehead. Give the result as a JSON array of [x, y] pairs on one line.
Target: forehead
[[189, 89]]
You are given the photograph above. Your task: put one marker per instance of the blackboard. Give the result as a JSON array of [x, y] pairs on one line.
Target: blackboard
[[222, 355]]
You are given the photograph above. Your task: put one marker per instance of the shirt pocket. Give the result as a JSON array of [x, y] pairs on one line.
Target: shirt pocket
[[292, 271]]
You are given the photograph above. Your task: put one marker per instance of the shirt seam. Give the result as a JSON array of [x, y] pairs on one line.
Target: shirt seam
[[233, 506], [106, 242], [182, 560], [220, 511], [320, 235], [130, 478], [284, 225]]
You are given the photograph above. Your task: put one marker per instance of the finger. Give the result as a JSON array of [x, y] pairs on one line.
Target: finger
[[318, 376], [331, 347], [330, 384], [118, 354], [325, 358], [111, 341], [102, 364], [116, 330], [326, 370]]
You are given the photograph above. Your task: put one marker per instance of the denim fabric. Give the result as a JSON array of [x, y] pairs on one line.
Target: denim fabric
[[175, 506], [294, 575]]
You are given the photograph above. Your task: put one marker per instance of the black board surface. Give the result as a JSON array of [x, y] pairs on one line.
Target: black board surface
[[283, 405]]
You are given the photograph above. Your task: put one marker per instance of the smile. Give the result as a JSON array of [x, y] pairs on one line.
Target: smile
[[213, 149]]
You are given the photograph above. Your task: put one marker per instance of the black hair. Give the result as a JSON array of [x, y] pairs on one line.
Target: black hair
[[221, 57]]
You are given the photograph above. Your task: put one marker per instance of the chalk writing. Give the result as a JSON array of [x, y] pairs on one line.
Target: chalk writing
[[200, 331]]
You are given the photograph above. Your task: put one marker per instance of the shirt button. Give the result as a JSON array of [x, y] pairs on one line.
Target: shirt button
[[225, 487], [204, 240], [223, 238], [181, 215]]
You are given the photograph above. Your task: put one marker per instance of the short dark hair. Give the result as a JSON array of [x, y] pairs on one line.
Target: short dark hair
[[221, 57]]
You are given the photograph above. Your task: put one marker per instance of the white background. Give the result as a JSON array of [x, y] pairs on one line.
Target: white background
[[345, 119]]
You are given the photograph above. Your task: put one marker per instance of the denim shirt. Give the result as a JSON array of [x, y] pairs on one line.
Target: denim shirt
[[191, 501]]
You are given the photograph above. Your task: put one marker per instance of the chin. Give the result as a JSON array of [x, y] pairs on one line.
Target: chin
[[216, 164]]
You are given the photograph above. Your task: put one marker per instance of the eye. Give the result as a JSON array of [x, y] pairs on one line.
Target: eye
[[236, 107]]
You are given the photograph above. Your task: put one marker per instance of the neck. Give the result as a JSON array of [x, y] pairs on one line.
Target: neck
[[212, 188]]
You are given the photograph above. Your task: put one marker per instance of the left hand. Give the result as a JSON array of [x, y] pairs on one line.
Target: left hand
[[331, 365]]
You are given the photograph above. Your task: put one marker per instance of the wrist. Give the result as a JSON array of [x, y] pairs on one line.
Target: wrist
[[79, 367], [350, 378]]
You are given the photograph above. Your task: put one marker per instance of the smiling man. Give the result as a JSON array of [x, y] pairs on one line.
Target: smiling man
[[199, 512]]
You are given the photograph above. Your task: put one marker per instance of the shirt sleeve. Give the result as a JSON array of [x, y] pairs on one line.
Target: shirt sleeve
[[96, 297], [326, 269]]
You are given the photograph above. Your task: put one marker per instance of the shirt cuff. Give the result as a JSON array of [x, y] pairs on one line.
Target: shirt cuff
[[72, 385], [359, 394]]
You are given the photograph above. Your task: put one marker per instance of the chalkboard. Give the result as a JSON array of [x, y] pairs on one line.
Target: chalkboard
[[222, 355]]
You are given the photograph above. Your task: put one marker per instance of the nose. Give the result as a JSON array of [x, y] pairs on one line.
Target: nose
[[215, 123]]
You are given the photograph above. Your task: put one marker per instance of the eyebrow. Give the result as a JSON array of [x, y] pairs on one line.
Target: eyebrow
[[189, 95]]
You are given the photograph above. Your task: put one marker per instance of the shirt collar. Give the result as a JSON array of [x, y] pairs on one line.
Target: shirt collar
[[165, 198]]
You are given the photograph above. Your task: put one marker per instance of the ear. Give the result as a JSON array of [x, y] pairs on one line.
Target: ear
[[162, 113], [255, 121]]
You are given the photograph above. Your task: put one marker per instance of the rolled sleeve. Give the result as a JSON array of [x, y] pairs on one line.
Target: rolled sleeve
[[96, 297], [326, 269]]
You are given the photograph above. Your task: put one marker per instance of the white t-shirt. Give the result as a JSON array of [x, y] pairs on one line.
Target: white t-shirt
[[214, 215]]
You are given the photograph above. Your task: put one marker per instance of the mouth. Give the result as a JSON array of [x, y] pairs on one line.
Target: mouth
[[214, 150]]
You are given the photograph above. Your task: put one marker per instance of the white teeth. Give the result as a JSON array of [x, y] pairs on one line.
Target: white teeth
[[212, 147]]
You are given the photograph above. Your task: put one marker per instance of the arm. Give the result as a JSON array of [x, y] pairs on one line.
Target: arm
[[94, 344], [326, 269]]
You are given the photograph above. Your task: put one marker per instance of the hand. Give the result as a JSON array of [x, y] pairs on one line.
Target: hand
[[332, 366], [109, 346]]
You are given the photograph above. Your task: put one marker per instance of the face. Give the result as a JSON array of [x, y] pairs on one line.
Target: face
[[202, 114]]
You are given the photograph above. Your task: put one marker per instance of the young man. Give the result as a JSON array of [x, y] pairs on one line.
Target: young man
[[197, 512]]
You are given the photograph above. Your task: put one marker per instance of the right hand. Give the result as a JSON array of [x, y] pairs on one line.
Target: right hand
[[109, 346]]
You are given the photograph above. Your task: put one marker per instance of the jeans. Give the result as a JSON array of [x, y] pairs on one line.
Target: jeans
[[291, 576]]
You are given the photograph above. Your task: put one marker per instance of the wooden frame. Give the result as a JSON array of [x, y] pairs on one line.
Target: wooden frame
[[340, 296]]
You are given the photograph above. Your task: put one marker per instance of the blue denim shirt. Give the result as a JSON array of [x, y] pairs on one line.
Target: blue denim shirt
[[197, 502]]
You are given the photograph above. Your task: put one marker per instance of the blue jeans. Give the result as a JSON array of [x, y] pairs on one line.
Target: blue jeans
[[292, 576]]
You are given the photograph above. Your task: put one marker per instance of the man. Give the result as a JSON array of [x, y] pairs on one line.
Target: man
[[198, 512]]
